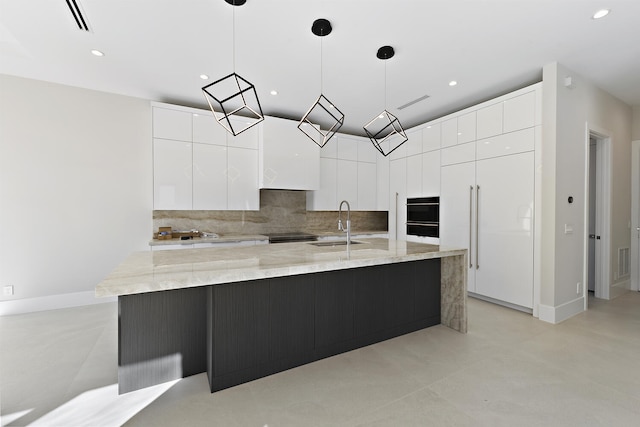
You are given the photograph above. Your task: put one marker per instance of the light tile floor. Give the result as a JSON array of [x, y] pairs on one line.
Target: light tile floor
[[60, 368]]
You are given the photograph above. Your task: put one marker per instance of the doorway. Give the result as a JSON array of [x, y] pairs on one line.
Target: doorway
[[597, 214], [635, 216]]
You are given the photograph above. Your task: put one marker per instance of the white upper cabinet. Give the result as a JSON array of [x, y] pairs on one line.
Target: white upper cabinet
[[449, 132], [520, 112], [209, 177], [414, 144], [506, 144], [431, 137], [289, 160], [172, 124], [382, 182], [367, 186], [250, 138], [347, 147], [467, 127], [347, 183], [430, 174], [414, 176], [324, 199], [242, 179], [206, 129], [489, 121], [172, 177], [366, 151]]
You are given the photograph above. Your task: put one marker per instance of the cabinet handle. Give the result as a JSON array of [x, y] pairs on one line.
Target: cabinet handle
[[470, 223], [477, 216]]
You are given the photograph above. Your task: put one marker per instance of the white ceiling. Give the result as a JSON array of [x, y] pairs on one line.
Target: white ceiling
[[157, 49]]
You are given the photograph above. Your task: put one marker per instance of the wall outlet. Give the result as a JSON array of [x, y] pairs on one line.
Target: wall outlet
[[7, 291], [578, 288]]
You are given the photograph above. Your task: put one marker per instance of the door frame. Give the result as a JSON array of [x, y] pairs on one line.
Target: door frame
[[603, 212], [635, 215]]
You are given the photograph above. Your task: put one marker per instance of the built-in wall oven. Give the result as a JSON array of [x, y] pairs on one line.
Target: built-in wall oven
[[423, 216]]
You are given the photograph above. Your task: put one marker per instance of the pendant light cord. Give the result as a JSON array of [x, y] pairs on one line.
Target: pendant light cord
[[234, 39], [321, 64], [385, 85]]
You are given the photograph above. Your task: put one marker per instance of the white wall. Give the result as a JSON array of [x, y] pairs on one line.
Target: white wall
[[635, 131], [566, 113], [75, 186]]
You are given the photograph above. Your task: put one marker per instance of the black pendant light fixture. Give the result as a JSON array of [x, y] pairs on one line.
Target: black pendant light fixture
[[233, 96], [384, 130], [323, 119]]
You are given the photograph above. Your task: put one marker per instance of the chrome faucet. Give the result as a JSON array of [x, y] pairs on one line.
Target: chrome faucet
[[340, 226]]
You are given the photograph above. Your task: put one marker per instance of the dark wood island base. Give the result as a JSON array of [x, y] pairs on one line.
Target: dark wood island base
[[241, 331]]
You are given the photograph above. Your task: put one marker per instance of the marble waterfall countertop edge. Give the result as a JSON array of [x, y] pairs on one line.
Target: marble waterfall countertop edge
[[152, 271]]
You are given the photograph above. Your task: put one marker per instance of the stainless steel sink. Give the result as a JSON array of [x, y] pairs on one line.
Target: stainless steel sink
[[334, 243]]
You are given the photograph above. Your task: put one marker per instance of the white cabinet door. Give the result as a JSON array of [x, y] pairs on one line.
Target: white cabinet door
[[449, 132], [467, 127], [347, 147], [431, 137], [398, 199], [289, 160], [250, 138], [489, 121], [457, 212], [520, 112], [206, 129], [414, 143], [347, 183], [505, 228], [367, 188], [382, 178], [171, 124], [172, 175], [209, 177], [242, 179], [431, 174], [324, 199], [366, 151], [414, 176]]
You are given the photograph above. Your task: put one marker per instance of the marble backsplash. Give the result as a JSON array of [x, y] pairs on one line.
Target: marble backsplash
[[280, 211]]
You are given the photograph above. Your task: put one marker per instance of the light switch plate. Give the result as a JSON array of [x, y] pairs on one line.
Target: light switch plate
[[568, 229]]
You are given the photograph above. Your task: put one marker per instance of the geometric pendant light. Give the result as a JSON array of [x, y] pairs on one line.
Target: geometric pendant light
[[233, 96], [323, 119], [384, 130]]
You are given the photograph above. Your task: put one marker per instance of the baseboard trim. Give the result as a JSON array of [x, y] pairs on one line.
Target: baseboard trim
[[562, 312], [51, 302]]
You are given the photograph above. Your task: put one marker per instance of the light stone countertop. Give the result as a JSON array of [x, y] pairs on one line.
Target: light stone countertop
[[222, 239], [151, 271]]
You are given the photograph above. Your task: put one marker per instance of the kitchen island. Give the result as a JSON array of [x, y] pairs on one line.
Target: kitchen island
[[243, 313]]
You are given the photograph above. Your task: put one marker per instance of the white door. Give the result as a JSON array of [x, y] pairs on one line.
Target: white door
[[457, 212], [635, 226], [505, 192]]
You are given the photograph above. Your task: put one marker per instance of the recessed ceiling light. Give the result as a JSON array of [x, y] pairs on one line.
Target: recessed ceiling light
[[204, 77], [274, 92], [601, 13], [96, 52], [453, 83]]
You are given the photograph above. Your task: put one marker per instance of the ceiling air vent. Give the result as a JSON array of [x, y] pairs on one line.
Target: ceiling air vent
[[410, 103], [77, 15]]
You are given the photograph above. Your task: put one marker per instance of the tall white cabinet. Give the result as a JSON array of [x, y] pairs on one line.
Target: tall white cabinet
[[488, 196], [481, 163]]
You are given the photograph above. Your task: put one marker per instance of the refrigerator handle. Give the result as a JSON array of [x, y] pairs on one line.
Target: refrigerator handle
[[477, 216]]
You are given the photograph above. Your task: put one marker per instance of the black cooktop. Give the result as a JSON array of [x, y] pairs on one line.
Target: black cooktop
[[291, 236]]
